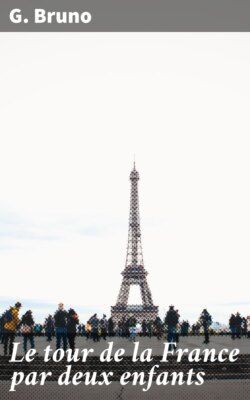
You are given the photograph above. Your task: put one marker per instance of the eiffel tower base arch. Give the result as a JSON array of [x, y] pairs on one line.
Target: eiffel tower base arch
[[139, 312]]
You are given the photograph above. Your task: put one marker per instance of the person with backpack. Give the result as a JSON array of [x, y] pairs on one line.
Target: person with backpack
[[27, 330], [72, 322], [60, 319], [10, 323]]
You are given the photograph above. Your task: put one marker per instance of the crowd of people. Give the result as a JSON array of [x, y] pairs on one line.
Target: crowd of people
[[238, 326], [65, 325]]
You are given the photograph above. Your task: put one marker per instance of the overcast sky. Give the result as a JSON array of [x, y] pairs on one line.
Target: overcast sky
[[74, 110]]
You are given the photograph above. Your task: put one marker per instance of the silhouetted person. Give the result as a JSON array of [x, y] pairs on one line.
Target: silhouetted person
[[144, 328], [94, 321], [232, 326], [158, 327], [27, 330], [88, 328], [104, 327], [206, 322], [2, 328], [171, 321], [184, 328], [49, 327], [244, 327], [150, 328], [132, 331], [111, 327], [60, 318], [82, 330], [72, 322], [178, 328], [38, 330], [10, 322], [238, 323]]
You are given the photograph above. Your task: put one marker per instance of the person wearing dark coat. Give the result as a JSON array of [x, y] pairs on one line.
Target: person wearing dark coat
[[27, 330], [72, 322], [232, 326], [144, 328], [104, 326], [49, 327], [171, 321], [158, 327], [60, 319], [111, 327], [238, 325], [206, 322]]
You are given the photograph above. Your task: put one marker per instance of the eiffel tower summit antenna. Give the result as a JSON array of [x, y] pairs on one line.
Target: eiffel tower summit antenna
[[134, 272]]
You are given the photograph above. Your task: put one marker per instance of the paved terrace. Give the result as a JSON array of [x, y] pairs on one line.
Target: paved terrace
[[157, 346], [221, 384], [213, 390]]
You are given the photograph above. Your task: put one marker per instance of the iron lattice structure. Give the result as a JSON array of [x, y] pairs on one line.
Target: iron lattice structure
[[134, 272]]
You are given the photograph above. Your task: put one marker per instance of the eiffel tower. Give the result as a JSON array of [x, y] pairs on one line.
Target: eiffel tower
[[134, 272]]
